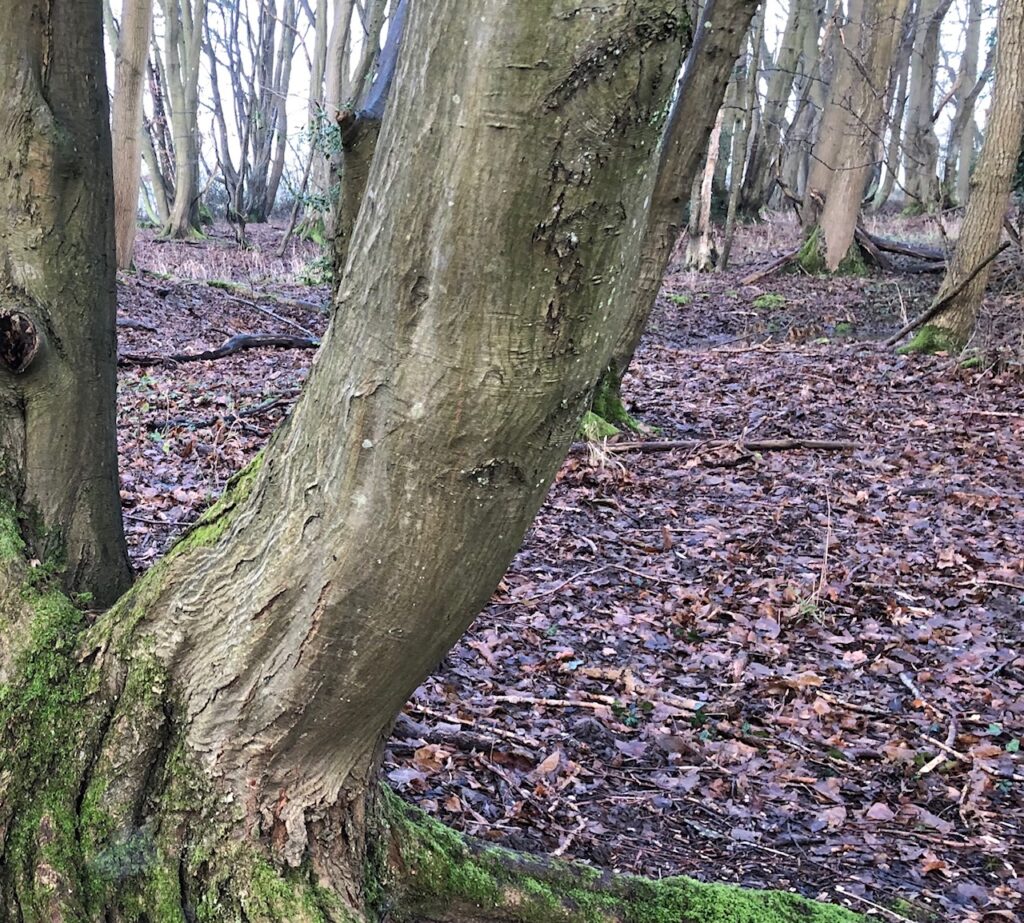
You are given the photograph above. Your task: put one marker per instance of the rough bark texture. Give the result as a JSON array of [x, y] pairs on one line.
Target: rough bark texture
[[208, 747], [58, 462], [845, 151], [990, 190], [126, 122], [956, 174]]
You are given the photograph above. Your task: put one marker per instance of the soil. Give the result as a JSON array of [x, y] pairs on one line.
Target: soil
[[797, 669]]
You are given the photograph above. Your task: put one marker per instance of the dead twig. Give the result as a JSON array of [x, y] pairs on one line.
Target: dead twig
[[233, 345], [771, 268]]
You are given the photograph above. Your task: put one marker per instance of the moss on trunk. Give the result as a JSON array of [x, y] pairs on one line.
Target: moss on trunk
[[931, 339], [607, 415]]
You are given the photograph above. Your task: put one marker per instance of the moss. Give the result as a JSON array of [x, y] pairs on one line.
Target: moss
[[607, 404], [214, 522], [769, 302], [929, 339], [853, 263], [440, 870], [811, 258], [12, 546], [594, 428]]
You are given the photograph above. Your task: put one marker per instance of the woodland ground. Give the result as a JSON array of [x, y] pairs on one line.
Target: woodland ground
[[797, 669]]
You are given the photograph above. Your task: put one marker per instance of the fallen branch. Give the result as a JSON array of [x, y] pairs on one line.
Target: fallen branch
[[226, 419], [233, 345], [945, 299], [761, 445], [867, 244], [770, 268], [932, 254]]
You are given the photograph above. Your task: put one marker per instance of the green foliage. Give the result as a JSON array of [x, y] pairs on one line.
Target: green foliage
[[680, 300], [594, 428]]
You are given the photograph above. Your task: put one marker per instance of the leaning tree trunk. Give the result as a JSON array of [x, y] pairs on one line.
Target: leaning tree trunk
[[689, 127], [58, 458], [126, 123], [207, 749], [990, 190], [844, 151]]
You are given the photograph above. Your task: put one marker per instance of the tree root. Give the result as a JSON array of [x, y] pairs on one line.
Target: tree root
[[437, 875]]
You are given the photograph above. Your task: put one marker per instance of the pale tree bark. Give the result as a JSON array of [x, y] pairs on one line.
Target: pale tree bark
[[921, 146], [896, 108], [126, 122], [758, 181], [817, 60], [741, 135], [960, 149], [58, 460], [845, 152], [989, 194], [183, 32], [701, 254]]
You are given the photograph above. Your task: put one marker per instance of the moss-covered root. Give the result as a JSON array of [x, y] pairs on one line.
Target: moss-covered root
[[438, 875], [930, 339], [607, 415]]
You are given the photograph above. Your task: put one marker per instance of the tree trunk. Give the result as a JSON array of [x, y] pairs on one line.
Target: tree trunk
[[701, 253], [990, 190], [58, 458], [845, 150], [898, 108], [921, 147], [207, 748], [183, 24], [760, 174], [126, 122], [738, 154], [717, 41], [960, 149]]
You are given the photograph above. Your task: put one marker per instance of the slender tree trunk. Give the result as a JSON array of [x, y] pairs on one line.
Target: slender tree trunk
[[58, 458], [921, 148], [126, 122], [183, 23], [845, 151], [990, 190], [897, 110], [759, 178], [960, 149], [738, 154], [701, 253]]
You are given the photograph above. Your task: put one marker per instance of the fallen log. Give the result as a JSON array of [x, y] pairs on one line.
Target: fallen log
[[233, 345], [773, 267]]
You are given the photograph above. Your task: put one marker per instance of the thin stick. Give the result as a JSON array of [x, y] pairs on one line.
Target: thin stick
[[770, 268], [763, 445], [945, 299]]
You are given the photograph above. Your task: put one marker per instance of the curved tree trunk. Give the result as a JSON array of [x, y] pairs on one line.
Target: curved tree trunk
[[990, 190], [126, 123], [207, 748], [58, 460]]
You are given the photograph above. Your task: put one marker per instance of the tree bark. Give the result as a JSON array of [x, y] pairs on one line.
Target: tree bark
[[990, 190], [921, 147], [126, 122], [58, 461], [207, 748], [844, 153]]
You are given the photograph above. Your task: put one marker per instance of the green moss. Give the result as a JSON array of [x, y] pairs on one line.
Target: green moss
[[769, 302], [441, 870], [929, 339], [214, 522], [594, 428], [811, 258], [607, 402], [12, 545], [853, 263]]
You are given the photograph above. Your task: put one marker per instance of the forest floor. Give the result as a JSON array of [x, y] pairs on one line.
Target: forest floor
[[798, 669]]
